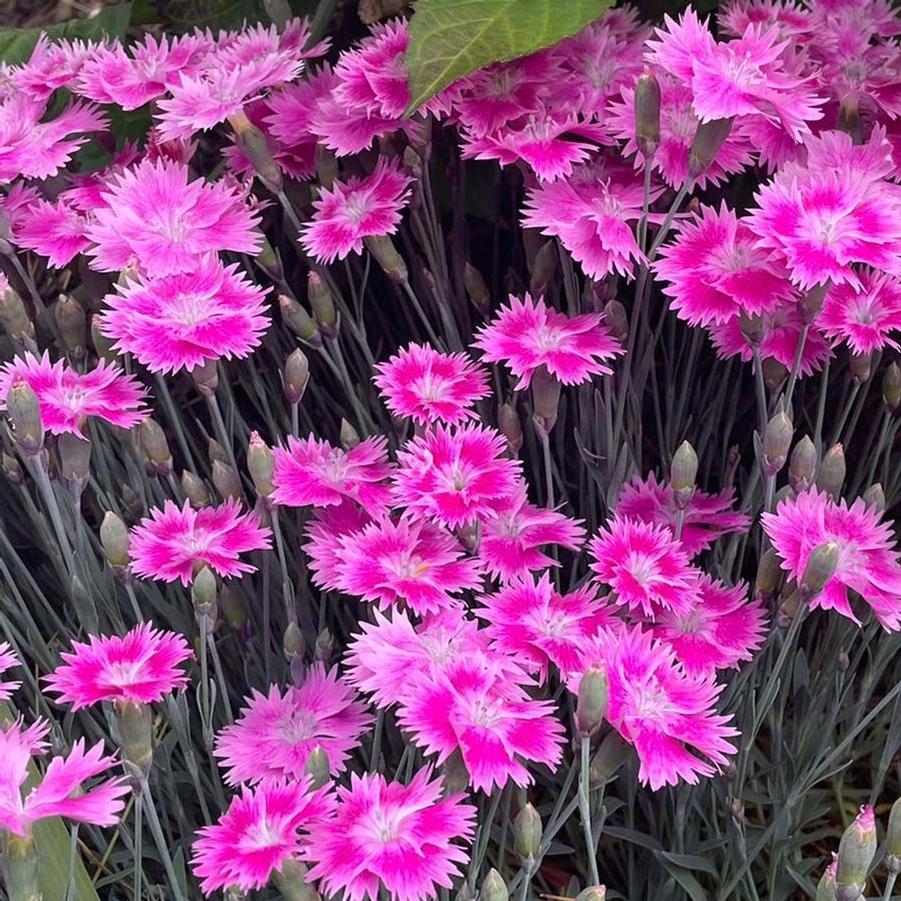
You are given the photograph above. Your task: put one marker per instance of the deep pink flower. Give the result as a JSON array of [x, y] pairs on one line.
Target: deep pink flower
[[788, 18], [645, 567], [722, 629], [324, 532], [473, 708], [657, 707], [455, 476], [68, 397], [528, 334], [52, 65], [429, 386], [59, 793], [715, 270], [139, 667], [416, 564], [186, 319], [86, 189], [173, 543], [511, 541], [158, 218], [868, 562], [538, 626], [8, 660], [704, 520], [53, 230], [275, 733], [864, 316], [312, 473], [356, 209], [258, 834], [391, 837]]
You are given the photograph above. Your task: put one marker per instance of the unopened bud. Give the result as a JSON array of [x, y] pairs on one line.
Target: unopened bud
[[348, 435], [322, 303], [591, 705], [73, 326], [293, 643], [232, 607], [510, 426], [855, 854], [769, 574], [874, 497], [683, 474], [617, 320], [802, 466], [215, 451], [751, 327], [493, 887], [317, 767], [385, 254], [103, 346], [412, 162], [612, 753], [821, 566], [708, 139], [253, 144], [476, 289], [299, 321], [195, 489], [543, 267], [226, 480], [21, 867], [260, 465], [115, 540], [647, 114], [135, 722], [24, 411], [13, 314], [156, 447], [527, 832], [860, 366], [206, 377], [545, 400], [812, 302], [891, 386], [774, 373], [893, 838], [325, 644], [465, 892], [831, 474], [326, 167], [826, 885], [593, 893], [777, 439], [74, 461], [203, 593], [12, 469], [455, 774], [296, 376], [269, 261]]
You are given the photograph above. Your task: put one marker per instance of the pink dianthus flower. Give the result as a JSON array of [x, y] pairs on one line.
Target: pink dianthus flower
[[8, 660], [324, 532], [55, 230], [864, 316]]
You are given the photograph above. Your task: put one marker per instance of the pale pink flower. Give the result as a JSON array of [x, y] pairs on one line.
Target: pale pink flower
[[537, 625], [174, 543], [455, 476], [258, 834], [789, 19], [59, 793], [409, 563], [68, 397], [52, 65], [867, 564], [528, 334], [275, 733], [8, 660], [312, 473], [188, 318], [667, 715], [53, 230], [139, 667], [354, 210], [836, 151], [249, 44], [863, 316], [511, 541], [644, 566], [722, 629], [428, 386], [706, 518], [157, 217], [391, 837], [324, 532], [473, 708], [715, 270]]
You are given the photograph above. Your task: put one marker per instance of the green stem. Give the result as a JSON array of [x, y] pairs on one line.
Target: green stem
[[162, 846], [889, 886], [585, 811], [175, 419], [138, 844]]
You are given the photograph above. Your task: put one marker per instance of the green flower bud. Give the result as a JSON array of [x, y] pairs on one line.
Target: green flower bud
[[156, 447], [215, 451], [545, 400], [14, 316], [291, 882], [348, 435], [543, 267], [103, 346], [269, 261], [592, 893], [296, 376], [323, 304], [774, 373], [206, 377], [802, 466], [476, 289], [527, 832], [893, 839], [385, 254], [617, 320], [769, 574], [73, 326], [647, 114], [891, 386], [254, 145], [812, 301], [493, 887], [232, 607], [317, 767], [12, 469], [683, 474], [195, 489], [21, 859], [226, 480], [203, 593], [24, 411], [299, 321], [456, 776], [115, 540], [591, 706], [751, 327], [874, 497], [135, 722], [293, 643], [855, 855], [75, 461], [860, 366], [708, 139], [260, 465], [325, 644], [777, 439], [612, 753], [821, 565], [510, 426], [826, 885], [831, 474]]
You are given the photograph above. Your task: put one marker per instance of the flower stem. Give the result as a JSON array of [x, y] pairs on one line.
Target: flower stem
[[161, 846], [138, 844], [889, 886], [585, 811], [174, 418]]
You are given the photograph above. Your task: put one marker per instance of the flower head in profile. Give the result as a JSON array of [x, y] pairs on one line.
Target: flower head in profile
[[723, 628], [867, 560], [715, 270], [68, 397], [644, 565], [156, 217], [401, 839], [455, 476], [416, 564], [59, 793], [706, 518], [175, 542], [264, 828], [528, 334], [324, 532], [512, 540], [188, 318], [8, 660], [139, 667], [667, 715], [429, 386], [310, 472], [276, 732], [865, 315], [51, 66], [354, 210], [538, 626]]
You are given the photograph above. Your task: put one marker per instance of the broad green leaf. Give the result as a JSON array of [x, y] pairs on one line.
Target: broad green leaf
[[16, 44], [451, 38]]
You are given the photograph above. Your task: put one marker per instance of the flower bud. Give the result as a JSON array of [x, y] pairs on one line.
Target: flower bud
[[683, 474], [647, 114], [465, 892], [103, 346], [74, 461], [592, 893], [253, 144], [21, 867], [617, 320], [206, 377], [874, 497], [612, 753], [774, 373], [326, 167], [215, 451], [135, 722], [591, 705], [296, 376], [293, 642], [751, 327], [826, 885], [855, 854], [493, 887], [260, 465], [12, 469], [291, 881], [156, 447], [709, 137], [455, 774], [348, 435], [860, 366], [317, 767], [269, 261], [510, 426], [299, 321], [777, 439], [543, 267], [13, 314], [476, 289], [891, 386], [802, 466], [831, 474], [73, 326], [527, 832], [812, 302], [232, 607], [323, 304], [821, 566], [195, 489], [893, 839], [385, 254], [545, 400], [115, 540], [24, 411], [325, 644], [203, 593], [226, 480], [769, 574]]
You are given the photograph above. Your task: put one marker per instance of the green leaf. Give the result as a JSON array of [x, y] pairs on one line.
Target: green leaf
[[451, 38], [16, 44]]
